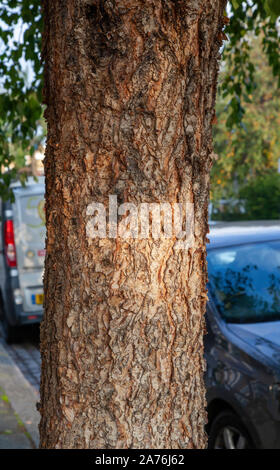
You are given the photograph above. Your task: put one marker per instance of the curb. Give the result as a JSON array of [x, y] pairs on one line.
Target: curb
[[22, 396]]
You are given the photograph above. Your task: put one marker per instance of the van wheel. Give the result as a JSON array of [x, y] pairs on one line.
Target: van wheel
[[228, 432], [11, 333]]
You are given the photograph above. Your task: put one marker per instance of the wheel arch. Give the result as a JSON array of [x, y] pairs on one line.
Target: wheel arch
[[219, 405], [216, 407]]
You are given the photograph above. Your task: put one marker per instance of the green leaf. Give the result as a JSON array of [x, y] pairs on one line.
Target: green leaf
[[235, 4]]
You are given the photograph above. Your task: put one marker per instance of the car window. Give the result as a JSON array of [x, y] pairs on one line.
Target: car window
[[245, 281]]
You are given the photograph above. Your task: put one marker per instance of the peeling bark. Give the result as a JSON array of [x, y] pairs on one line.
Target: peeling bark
[[130, 90]]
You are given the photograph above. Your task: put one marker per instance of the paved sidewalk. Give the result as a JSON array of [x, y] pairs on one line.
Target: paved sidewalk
[[19, 417], [12, 432]]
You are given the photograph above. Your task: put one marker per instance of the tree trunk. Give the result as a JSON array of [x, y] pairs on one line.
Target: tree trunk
[[130, 91]]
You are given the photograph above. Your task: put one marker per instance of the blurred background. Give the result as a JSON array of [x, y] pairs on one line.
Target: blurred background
[[245, 181]]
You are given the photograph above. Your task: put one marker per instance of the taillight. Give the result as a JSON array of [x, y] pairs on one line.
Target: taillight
[[10, 247]]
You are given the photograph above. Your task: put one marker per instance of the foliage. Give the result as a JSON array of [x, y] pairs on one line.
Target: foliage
[[20, 99], [259, 199], [262, 197], [253, 148], [247, 17]]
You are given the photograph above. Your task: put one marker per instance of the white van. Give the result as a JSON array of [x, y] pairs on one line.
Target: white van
[[22, 245]]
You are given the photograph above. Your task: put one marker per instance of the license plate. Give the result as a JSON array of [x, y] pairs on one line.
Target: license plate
[[37, 299]]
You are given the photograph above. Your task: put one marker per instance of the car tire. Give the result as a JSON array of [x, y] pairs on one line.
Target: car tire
[[228, 432]]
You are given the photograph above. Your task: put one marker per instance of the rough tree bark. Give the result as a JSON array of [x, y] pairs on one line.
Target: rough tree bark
[[130, 91]]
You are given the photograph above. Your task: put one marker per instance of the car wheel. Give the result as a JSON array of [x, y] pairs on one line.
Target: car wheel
[[228, 432]]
